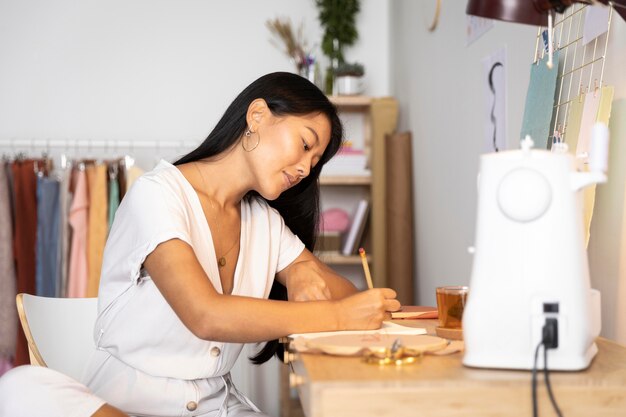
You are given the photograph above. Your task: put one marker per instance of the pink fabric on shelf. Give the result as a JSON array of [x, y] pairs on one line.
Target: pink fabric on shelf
[[335, 220], [78, 219]]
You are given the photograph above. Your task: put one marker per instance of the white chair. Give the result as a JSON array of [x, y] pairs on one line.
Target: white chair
[[59, 331]]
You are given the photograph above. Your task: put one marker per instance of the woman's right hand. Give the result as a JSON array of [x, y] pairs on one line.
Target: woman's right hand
[[366, 310]]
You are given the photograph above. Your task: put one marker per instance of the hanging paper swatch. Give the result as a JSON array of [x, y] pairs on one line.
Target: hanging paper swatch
[[540, 101]]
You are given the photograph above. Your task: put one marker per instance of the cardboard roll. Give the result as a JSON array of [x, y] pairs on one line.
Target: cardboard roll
[[355, 344]]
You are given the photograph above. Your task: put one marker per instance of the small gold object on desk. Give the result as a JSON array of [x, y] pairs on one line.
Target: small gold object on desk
[[395, 355]]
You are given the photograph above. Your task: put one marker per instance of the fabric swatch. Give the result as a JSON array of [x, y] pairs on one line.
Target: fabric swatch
[[540, 101]]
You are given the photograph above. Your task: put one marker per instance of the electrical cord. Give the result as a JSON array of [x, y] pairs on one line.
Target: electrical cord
[[549, 340], [546, 374], [534, 381]]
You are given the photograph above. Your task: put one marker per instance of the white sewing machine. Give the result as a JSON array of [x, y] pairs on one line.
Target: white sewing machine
[[530, 259]]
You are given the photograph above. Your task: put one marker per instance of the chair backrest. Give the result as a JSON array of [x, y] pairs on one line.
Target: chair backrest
[[59, 331]]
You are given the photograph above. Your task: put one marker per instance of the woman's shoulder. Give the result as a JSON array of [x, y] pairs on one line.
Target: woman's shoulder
[[164, 179]]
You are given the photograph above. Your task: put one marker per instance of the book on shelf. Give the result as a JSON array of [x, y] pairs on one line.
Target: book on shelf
[[348, 161], [357, 227]]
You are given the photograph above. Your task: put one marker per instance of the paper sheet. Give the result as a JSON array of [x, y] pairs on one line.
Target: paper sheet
[[596, 22], [540, 101], [589, 115], [574, 117], [494, 87], [387, 327], [476, 27], [606, 102]]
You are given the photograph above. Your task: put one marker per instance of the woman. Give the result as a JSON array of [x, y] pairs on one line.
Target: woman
[[197, 247]]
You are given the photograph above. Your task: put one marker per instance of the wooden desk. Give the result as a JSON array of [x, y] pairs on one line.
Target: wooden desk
[[441, 386]]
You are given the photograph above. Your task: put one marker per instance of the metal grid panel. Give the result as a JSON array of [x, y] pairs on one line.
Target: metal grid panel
[[580, 67]]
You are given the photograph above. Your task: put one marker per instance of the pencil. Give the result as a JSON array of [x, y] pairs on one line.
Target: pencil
[[366, 268]]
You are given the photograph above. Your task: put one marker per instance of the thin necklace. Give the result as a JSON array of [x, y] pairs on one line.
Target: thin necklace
[[221, 260]]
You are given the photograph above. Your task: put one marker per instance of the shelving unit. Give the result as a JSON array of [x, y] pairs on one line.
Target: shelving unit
[[337, 259], [345, 180], [380, 116]]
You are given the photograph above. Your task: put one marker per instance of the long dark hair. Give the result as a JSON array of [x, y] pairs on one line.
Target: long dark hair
[[285, 94]]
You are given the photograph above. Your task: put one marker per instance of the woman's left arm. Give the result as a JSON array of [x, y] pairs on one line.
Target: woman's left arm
[[307, 278]]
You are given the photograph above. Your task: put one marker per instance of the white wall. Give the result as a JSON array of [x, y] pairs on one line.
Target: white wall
[[150, 69], [154, 70], [436, 78]]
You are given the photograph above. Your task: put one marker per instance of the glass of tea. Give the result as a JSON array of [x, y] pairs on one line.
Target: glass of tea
[[450, 305]]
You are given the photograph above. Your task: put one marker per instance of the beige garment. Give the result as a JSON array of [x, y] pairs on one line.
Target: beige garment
[[98, 226], [132, 174]]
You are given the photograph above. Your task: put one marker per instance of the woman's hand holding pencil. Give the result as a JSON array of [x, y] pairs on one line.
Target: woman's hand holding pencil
[[368, 309]]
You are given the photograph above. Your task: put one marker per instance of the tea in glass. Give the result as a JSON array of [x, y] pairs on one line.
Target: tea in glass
[[450, 305]]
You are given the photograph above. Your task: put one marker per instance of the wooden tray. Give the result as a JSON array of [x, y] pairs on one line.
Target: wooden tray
[[453, 334], [353, 344]]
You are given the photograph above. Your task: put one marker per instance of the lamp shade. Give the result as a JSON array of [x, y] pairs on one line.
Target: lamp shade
[[530, 12], [517, 11]]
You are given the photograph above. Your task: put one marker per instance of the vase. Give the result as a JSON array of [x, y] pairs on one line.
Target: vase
[[348, 85]]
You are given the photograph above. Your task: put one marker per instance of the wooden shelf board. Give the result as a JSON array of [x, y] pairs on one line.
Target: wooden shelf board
[[339, 259], [347, 101], [345, 180]]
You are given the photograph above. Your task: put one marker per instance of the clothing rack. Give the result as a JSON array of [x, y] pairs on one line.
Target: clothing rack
[[107, 144], [145, 153]]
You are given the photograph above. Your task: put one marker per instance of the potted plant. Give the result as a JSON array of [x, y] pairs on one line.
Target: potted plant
[[349, 78], [338, 20]]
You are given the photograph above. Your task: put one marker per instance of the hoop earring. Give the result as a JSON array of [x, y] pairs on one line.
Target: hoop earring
[[248, 133]]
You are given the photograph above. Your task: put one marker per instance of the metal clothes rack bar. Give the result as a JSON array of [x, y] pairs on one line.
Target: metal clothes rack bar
[[114, 144]]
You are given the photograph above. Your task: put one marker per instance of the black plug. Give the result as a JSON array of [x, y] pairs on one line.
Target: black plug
[[550, 334]]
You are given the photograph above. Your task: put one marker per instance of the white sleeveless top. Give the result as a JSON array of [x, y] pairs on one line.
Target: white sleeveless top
[[135, 323]]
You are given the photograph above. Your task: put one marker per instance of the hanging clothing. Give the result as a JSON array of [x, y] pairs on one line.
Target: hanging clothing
[[9, 175], [65, 200], [121, 177], [97, 234], [5, 366], [47, 278], [114, 196], [8, 312], [24, 239], [132, 173], [77, 275]]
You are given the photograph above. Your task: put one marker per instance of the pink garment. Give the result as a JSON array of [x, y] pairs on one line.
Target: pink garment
[[5, 365], [78, 219]]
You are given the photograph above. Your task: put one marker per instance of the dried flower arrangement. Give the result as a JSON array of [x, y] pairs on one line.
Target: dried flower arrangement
[[294, 44]]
